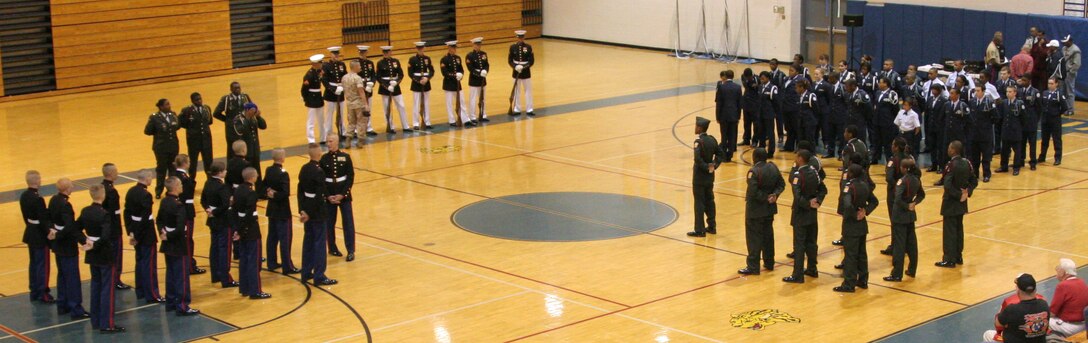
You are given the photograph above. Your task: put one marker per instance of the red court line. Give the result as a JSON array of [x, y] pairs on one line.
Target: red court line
[[16, 334], [491, 269], [1008, 201]]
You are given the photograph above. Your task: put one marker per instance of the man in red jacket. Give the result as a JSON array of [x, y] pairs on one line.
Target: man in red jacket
[[1070, 299]]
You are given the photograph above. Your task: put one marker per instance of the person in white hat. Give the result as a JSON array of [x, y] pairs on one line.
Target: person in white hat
[[390, 74], [478, 66], [1055, 62], [369, 76], [334, 93], [311, 96], [452, 72], [1072, 65], [421, 70], [521, 59]]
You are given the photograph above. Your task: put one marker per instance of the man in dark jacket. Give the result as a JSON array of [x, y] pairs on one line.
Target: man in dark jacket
[[66, 237], [708, 156], [163, 127], [764, 185], [959, 184], [808, 193], [140, 224], [312, 213], [196, 119], [278, 189], [907, 195], [727, 112], [172, 224], [36, 217], [856, 202], [248, 235], [95, 222], [215, 200]]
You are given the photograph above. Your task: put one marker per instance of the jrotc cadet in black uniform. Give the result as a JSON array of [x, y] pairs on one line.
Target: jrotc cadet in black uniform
[[248, 236], [790, 108], [983, 114], [856, 201], [778, 78], [836, 116], [36, 217], [390, 74], [957, 118], [370, 77], [186, 197], [869, 83], [1052, 105], [196, 119], [959, 184], [854, 146], [96, 223], [907, 195], [1011, 110], [934, 123], [821, 89], [858, 108], [764, 185], [892, 174], [808, 193], [889, 73], [278, 189], [521, 59], [230, 106], [331, 73], [172, 224], [247, 126], [809, 107], [140, 224], [311, 97], [312, 213], [887, 107], [66, 237], [163, 127], [1003, 83], [420, 70], [215, 199], [112, 204], [452, 72], [478, 67], [339, 177], [768, 107], [750, 105], [727, 106], [708, 156], [1029, 119]]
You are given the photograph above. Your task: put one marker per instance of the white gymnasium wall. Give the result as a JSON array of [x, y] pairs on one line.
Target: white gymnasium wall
[[652, 23], [1052, 7]]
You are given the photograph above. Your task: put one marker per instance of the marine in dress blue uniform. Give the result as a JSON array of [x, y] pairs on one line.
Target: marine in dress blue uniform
[[248, 235], [65, 236], [36, 217], [140, 224], [278, 189], [96, 223], [172, 223], [311, 194]]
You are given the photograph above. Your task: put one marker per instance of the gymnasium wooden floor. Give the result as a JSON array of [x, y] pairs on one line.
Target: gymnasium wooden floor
[[611, 120]]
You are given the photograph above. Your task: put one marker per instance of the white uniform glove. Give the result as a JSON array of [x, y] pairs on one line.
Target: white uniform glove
[[369, 87], [483, 73], [339, 89], [518, 68], [390, 88], [393, 83], [459, 76]]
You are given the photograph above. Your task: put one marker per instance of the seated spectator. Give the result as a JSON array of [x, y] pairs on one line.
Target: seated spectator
[[1023, 316], [1070, 299]]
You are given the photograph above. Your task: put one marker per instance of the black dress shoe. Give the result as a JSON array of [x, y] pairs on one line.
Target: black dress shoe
[[81, 316], [791, 279], [198, 271], [945, 264], [189, 312], [837, 242], [48, 301], [769, 268], [712, 231], [231, 284], [273, 267], [1016, 172], [790, 255], [530, 113], [812, 273], [863, 285], [1002, 170], [326, 282], [428, 127], [886, 252], [1042, 160], [156, 300], [485, 120], [351, 256], [158, 196], [843, 289], [959, 261], [742, 143], [838, 266], [391, 131], [415, 128], [910, 274], [122, 286], [371, 133], [747, 271], [893, 279], [261, 295], [115, 329], [515, 114], [985, 179], [336, 253], [289, 271], [696, 234], [1057, 162], [408, 130], [1032, 167]]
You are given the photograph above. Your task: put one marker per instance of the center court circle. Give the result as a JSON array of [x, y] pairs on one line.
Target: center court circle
[[564, 216]]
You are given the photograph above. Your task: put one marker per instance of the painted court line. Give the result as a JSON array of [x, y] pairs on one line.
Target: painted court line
[[86, 320], [16, 334], [485, 302]]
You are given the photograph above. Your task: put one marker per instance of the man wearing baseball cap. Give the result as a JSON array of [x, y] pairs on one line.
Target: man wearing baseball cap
[[1072, 65], [1025, 321]]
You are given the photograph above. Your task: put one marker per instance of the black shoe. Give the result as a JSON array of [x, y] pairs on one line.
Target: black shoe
[[910, 274], [838, 266], [156, 300], [470, 124], [189, 312], [261, 295], [790, 255], [263, 259], [391, 131], [712, 231], [81, 316], [863, 285], [769, 268], [115, 329], [371, 133], [791, 279], [1057, 162], [743, 143], [812, 273], [945, 264], [1032, 167], [198, 271], [122, 286], [231, 284], [48, 301], [485, 120], [326, 282], [351, 256], [893, 279], [843, 289], [415, 128], [428, 127], [747, 271], [985, 179], [407, 130], [336, 253], [158, 196], [1042, 160], [273, 267], [289, 271], [696, 234], [321, 142], [515, 114], [1016, 171], [530, 113], [837, 242], [886, 252], [1002, 170], [959, 261]]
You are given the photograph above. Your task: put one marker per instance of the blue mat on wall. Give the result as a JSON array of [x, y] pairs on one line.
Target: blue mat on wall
[[918, 35]]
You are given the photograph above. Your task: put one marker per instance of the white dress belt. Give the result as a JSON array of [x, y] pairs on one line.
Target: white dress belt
[[334, 84], [188, 201], [58, 227], [117, 212], [315, 90], [33, 221], [309, 195], [168, 229], [92, 238]]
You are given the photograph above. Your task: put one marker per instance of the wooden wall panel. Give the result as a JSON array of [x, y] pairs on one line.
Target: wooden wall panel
[[305, 27], [1, 75], [110, 41]]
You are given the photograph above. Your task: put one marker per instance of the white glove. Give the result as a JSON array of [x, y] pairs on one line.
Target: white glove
[[390, 88], [369, 84], [393, 83], [339, 89], [369, 88], [518, 68], [459, 76], [483, 73]]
